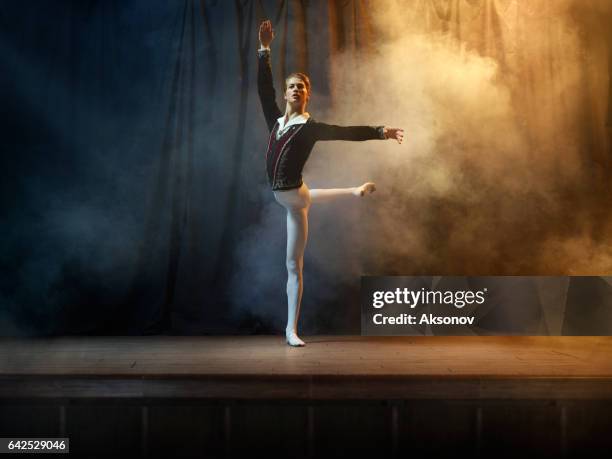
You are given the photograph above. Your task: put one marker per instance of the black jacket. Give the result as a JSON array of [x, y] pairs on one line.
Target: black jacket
[[286, 155]]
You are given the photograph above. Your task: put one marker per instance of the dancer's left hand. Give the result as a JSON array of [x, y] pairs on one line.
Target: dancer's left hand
[[394, 133]]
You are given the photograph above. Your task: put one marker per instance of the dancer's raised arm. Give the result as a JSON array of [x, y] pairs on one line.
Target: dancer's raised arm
[[265, 83]]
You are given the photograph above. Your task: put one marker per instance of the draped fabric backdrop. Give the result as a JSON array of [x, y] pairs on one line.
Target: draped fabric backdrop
[[134, 196]]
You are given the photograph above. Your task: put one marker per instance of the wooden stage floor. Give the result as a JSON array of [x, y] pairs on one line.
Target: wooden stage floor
[[340, 396], [328, 368]]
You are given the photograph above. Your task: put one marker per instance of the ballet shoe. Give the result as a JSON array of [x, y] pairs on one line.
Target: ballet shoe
[[294, 340]]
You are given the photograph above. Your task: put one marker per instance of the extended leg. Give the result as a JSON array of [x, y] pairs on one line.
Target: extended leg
[[329, 194], [297, 235]]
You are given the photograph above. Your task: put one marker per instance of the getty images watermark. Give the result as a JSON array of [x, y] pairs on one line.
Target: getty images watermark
[[486, 305], [418, 305], [411, 299]]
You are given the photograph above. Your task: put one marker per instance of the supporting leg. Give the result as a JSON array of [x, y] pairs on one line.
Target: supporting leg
[[297, 235], [297, 203]]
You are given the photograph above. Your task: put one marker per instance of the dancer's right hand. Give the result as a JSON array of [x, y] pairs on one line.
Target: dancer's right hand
[[266, 33]]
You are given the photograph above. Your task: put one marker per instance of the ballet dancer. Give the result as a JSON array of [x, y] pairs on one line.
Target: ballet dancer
[[292, 137]]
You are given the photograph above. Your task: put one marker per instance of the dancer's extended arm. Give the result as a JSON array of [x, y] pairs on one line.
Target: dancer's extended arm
[[325, 131], [265, 83]]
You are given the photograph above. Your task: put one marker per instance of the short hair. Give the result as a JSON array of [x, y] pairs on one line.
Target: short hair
[[301, 76]]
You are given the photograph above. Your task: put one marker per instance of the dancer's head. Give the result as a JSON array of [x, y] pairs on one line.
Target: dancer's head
[[297, 89]]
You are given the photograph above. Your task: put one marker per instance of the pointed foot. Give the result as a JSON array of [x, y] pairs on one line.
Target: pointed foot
[[366, 188]]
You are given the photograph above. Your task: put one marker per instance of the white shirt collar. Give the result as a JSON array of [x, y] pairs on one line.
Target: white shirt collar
[[300, 119]]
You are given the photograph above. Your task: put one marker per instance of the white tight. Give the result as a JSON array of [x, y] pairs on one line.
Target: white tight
[[297, 202]]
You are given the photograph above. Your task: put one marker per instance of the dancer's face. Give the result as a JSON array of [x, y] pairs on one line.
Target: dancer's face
[[296, 93]]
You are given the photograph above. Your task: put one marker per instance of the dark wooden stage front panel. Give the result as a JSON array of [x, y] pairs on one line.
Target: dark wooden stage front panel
[[249, 387]]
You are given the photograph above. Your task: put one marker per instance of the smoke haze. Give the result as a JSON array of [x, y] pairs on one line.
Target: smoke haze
[[502, 171]]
